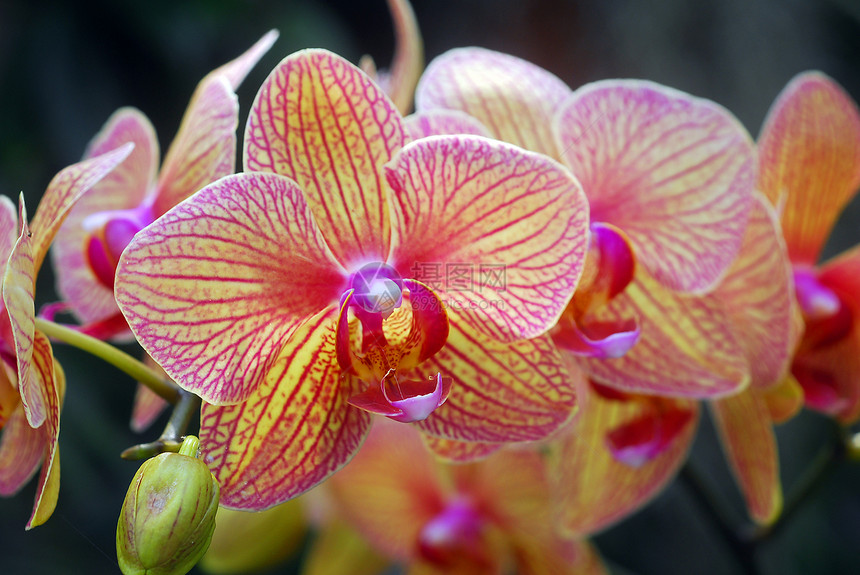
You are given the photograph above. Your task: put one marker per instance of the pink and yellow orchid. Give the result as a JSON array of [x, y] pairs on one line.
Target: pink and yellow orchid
[[669, 179], [495, 516], [809, 152], [32, 384], [280, 295]]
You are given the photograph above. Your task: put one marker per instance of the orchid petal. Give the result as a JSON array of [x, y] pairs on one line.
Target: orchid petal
[[809, 151], [515, 222], [563, 557], [453, 451], [514, 98], [237, 69], [783, 400], [747, 436], [757, 292], [836, 364], [204, 149], [22, 449], [441, 122], [8, 226], [64, 190], [212, 288], [49, 479], [408, 60], [321, 121], [294, 431], [9, 398], [19, 283], [147, 404], [391, 489], [674, 172], [501, 392], [594, 488], [687, 345]]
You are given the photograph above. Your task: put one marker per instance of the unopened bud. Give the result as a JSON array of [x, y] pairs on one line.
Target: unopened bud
[[168, 515]]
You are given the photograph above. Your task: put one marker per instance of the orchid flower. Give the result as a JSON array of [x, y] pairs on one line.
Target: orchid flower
[[493, 516], [293, 298], [32, 384], [809, 151], [669, 179], [625, 448]]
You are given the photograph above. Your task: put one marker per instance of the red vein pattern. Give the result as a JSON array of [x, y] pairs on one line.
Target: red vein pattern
[[491, 205], [294, 431], [216, 285], [674, 172], [319, 120]]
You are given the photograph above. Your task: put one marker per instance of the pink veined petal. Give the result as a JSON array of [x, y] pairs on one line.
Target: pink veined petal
[[9, 228], [321, 121], [147, 404], [514, 98], [64, 190], [212, 289], [687, 345], [453, 451], [236, 70], [674, 172], [49, 479], [749, 442], [125, 187], [809, 154], [294, 431], [758, 294], [204, 149], [502, 392], [594, 489], [19, 283], [442, 122], [507, 229], [22, 449]]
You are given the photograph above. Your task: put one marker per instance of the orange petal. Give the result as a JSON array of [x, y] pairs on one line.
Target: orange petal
[[453, 451], [758, 294], [339, 549], [809, 154], [595, 489], [783, 400], [293, 432], [744, 424]]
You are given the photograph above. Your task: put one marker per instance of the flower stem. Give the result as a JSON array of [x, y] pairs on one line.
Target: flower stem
[[172, 437], [166, 389]]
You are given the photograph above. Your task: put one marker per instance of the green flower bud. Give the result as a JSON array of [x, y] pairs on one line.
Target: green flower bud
[[168, 515]]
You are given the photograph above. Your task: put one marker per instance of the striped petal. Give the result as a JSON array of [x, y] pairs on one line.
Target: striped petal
[[22, 449], [48, 487], [595, 489], [514, 98], [501, 392], [759, 297], [675, 173], [64, 190], [8, 226], [294, 431], [321, 121], [508, 227], [19, 283], [748, 440], [236, 70], [212, 289], [123, 188], [441, 122], [809, 154], [687, 345]]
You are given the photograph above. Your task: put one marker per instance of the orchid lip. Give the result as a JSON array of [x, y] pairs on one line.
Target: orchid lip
[[456, 526], [816, 300], [404, 401], [110, 233]]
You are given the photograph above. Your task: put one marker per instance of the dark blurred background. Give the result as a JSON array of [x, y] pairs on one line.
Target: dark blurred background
[[66, 66]]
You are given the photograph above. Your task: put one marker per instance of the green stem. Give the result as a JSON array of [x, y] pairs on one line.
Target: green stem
[[168, 390], [171, 437]]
